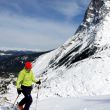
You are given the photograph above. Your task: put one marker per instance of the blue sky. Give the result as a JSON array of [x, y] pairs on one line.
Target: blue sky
[[39, 24]]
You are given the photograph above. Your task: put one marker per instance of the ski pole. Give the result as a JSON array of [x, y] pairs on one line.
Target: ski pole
[[15, 101], [37, 96]]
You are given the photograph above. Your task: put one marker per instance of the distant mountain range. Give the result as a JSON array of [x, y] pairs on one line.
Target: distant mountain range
[[12, 61]]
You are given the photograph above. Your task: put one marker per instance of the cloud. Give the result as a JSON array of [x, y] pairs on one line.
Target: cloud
[[26, 32], [53, 9], [41, 24], [69, 8]]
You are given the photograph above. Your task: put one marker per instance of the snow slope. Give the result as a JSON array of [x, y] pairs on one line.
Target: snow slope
[[82, 103], [81, 65]]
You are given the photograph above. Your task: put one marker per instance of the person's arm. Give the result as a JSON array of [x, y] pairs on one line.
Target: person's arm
[[34, 79], [19, 80]]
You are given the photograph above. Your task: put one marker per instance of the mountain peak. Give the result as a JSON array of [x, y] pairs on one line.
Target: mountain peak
[[94, 14], [81, 64]]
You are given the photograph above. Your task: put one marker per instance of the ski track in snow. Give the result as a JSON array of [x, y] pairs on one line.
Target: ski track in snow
[[57, 103], [82, 103]]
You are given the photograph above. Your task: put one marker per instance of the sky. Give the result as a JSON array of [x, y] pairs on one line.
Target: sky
[[39, 24]]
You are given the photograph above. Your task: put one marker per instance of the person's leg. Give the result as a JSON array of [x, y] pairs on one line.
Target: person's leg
[[27, 100], [22, 102]]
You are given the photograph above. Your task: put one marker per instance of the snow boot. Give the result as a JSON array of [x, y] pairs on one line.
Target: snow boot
[[19, 107]]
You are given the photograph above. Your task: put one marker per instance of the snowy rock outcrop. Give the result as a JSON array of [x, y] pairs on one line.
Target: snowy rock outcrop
[[81, 65]]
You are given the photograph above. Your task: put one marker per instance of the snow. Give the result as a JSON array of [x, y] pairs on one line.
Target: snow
[[85, 84], [42, 62], [107, 4], [88, 20], [84, 78], [103, 35], [89, 77], [1, 54], [83, 103], [19, 49], [58, 103]]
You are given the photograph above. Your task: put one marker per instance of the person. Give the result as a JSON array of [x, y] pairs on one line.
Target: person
[[24, 85]]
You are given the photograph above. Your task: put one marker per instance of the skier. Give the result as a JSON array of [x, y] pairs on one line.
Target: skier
[[24, 85]]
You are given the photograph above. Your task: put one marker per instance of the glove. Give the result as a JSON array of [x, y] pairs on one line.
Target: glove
[[38, 82], [19, 91]]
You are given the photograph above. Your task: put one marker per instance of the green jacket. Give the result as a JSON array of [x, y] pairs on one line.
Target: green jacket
[[25, 78]]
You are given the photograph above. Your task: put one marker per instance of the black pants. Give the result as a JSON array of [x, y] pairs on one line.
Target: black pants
[[27, 100]]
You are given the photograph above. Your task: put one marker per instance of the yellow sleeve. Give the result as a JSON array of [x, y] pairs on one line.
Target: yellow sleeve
[[20, 79]]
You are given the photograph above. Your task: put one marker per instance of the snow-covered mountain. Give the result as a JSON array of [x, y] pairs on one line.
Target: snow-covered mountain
[[12, 61], [81, 65]]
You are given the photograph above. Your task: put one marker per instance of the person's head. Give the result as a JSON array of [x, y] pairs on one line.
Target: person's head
[[28, 66]]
